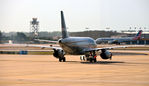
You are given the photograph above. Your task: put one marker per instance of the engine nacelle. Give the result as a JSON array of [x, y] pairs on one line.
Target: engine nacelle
[[58, 53], [105, 54]]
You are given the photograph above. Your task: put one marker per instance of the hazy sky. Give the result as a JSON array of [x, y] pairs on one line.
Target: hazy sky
[[15, 15]]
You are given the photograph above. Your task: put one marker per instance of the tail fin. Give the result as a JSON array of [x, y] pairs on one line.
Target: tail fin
[[138, 35], [63, 26]]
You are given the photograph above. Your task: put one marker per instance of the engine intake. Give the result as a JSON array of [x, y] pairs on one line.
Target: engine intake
[[105, 54], [58, 53]]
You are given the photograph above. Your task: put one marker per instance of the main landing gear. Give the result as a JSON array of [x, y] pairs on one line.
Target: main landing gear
[[92, 60]]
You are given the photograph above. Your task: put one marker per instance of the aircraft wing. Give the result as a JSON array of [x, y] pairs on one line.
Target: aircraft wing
[[106, 48], [56, 42], [109, 48], [42, 47]]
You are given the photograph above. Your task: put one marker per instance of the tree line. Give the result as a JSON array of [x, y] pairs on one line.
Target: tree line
[[25, 37]]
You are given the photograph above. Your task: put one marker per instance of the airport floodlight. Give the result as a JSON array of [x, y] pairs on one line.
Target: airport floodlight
[[34, 28]]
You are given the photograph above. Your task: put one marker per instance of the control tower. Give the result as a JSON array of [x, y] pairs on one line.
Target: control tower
[[34, 28]]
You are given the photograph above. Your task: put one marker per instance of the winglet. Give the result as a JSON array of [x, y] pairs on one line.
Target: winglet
[[63, 26]]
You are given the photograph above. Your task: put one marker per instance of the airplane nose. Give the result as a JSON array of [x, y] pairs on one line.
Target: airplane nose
[[98, 41]]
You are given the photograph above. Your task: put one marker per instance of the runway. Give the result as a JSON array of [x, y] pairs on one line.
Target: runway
[[45, 70]]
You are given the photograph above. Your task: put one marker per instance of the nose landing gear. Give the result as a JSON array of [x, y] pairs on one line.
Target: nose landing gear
[[91, 57]]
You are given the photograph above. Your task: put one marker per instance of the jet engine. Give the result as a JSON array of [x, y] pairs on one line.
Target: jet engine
[[58, 53], [105, 54]]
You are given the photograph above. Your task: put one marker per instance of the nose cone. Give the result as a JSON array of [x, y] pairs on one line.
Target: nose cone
[[98, 41]]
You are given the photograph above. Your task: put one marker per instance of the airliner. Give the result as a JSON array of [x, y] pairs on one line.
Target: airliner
[[119, 40], [84, 46]]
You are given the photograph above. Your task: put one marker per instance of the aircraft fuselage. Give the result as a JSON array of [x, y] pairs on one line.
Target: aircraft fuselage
[[77, 45]]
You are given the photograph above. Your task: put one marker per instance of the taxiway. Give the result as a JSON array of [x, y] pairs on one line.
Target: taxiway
[[45, 70]]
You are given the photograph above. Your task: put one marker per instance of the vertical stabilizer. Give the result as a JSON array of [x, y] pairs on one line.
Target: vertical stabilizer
[[138, 35], [63, 26]]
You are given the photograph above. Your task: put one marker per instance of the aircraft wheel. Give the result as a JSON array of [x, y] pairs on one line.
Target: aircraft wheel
[[60, 59], [82, 58], [95, 60], [91, 60], [64, 59]]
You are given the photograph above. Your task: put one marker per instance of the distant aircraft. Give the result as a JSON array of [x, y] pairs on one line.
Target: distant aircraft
[[85, 46], [119, 40], [9, 42]]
